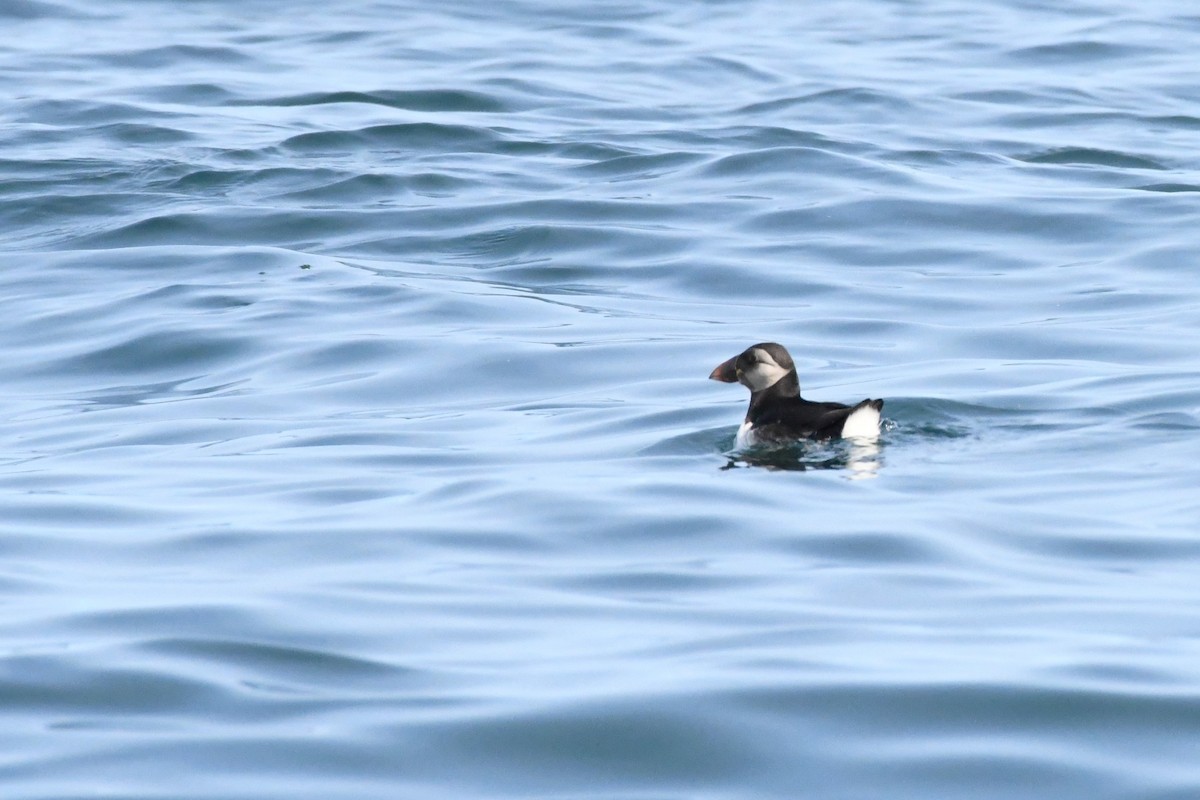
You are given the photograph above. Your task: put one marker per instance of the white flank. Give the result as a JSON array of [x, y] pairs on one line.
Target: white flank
[[745, 436], [862, 424]]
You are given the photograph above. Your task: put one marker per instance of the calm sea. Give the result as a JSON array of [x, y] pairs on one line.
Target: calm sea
[[355, 432]]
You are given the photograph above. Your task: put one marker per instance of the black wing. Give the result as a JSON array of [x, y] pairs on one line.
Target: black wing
[[805, 419], [796, 418]]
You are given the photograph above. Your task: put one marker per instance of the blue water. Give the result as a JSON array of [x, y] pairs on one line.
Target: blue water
[[356, 440]]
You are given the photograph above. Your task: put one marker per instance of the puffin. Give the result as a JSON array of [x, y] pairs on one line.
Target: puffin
[[778, 414]]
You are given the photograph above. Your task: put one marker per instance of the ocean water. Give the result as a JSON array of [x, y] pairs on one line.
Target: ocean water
[[356, 437]]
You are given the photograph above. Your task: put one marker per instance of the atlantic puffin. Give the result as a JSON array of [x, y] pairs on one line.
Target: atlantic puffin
[[778, 413]]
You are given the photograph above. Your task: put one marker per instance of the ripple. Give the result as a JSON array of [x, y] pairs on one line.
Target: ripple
[[420, 135], [1078, 52], [860, 97], [640, 167], [315, 670], [34, 9], [1091, 156], [49, 684], [173, 55], [413, 100], [156, 353], [1169, 188]]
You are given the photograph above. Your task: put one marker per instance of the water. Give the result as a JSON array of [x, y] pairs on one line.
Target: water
[[356, 437]]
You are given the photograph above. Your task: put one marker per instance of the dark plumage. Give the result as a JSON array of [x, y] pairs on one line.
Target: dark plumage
[[778, 413]]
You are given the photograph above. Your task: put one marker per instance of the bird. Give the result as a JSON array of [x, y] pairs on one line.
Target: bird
[[778, 414]]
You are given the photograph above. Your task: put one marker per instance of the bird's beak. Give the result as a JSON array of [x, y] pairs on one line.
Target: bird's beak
[[725, 372]]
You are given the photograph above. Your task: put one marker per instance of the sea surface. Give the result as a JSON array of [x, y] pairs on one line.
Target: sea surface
[[356, 439]]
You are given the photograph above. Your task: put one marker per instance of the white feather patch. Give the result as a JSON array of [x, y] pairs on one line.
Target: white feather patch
[[745, 436], [863, 423]]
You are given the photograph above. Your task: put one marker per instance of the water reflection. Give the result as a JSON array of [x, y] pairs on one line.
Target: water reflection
[[860, 457]]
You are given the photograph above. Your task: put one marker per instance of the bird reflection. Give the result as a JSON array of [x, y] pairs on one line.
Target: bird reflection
[[860, 457]]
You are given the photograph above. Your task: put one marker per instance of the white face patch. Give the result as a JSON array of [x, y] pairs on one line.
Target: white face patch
[[762, 373]]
